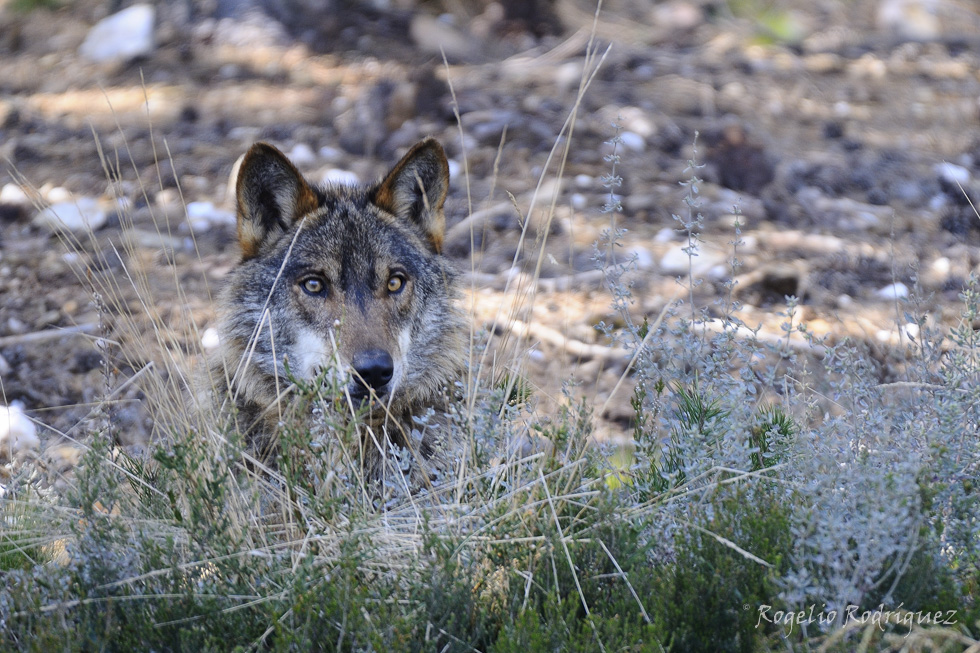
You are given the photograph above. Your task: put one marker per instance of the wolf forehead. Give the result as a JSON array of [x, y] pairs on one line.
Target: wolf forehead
[[347, 227]]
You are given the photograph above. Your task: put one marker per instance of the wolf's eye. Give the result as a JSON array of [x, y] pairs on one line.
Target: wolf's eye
[[396, 282], [313, 286]]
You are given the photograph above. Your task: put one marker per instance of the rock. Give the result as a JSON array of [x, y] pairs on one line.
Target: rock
[[121, 37], [18, 435], [437, 36], [331, 153], [635, 120], [633, 141], [13, 194], [203, 216], [914, 20], [455, 169], [953, 174], [302, 155], [842, 212], [644, 258], [677, 262], [894, 291], [84, 214]]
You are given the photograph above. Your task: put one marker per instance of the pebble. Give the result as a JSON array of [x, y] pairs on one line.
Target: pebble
[[644, 259], [302, 155], [843, 212], [584, 182], [633, 141], [56, 194], [331, 153], [677, 262], [894, 291], [18, 435], [13, 194], [953, 174], [204, 216], [455, 169], [915, 20], [579, 201], [634, 120], [121, 37], [84, 214]]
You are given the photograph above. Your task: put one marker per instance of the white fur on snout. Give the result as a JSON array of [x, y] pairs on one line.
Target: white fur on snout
[[314, 352], [401, 359]]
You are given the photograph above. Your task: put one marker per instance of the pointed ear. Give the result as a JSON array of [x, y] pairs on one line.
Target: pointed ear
[[272, 195], [415, 190]]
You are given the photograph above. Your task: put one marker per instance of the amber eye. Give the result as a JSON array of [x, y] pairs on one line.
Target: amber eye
[[313, 286], [395, 283]]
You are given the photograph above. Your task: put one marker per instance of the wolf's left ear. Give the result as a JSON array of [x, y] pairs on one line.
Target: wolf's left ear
[[415, 190], [272, 195]]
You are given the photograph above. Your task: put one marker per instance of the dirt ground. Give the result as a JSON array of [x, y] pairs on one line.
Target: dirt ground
[[846, 135]]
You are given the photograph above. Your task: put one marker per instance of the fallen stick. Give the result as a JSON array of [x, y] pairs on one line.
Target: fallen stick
[[49, 334]]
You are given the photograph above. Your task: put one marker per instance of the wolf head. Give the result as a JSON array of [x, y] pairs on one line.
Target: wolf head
[[343, 278]]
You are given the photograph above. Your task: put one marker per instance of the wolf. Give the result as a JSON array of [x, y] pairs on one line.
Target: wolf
[[343, 278]]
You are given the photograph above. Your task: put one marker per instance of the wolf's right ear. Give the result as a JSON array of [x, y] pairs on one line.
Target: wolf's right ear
[[415, 190], [272, 195]]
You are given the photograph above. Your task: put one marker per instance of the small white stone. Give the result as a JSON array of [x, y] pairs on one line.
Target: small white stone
[[331, 153], [13, 194], [18, 434], [123, 36], [644, 259], [338, 177], [938, 202], [57, 194], [942, 266], [84, 214], [584, 182], [706, 262], [202, 216], [455, 169], [635, 120], [578, 201], [633, 141], [199, 209], [302, 155], [210, 339], [911, 331], [953, 174], [665, 235], [894, 291]]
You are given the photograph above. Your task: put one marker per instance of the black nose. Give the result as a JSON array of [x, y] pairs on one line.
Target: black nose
[[374, 368]]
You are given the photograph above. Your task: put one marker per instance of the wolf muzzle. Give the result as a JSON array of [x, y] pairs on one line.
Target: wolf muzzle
[[373, 369]]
